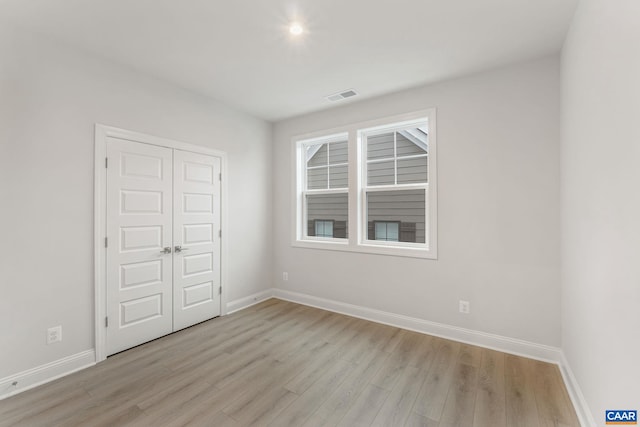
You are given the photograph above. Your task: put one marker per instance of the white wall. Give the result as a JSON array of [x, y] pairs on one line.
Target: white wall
[[50, 99], [498, 177], [601, 203]]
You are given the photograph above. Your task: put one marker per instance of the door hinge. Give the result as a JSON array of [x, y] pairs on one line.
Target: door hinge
[[220, 290], [106, 322], [106, 242], [106, 162], [220, 233], [220, 176]]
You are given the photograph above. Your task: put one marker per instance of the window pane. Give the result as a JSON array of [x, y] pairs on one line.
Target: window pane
[[338, 152], [406, 207], [381, 173], [393, 231], [328, 207], [380, 146], [338, 176], [324, 228], [412, 170], [388, 231], [317, 155], [410, 142], [317, 179]]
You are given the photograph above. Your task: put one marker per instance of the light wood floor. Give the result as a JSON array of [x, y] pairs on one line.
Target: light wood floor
[[284, 364]]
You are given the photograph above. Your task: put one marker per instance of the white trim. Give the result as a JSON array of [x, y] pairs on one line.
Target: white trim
[[102, 132], [99, 233], [495, 342], [242, 303], [45, 373], [575, 393]]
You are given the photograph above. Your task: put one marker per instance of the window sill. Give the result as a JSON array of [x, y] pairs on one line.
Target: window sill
[[346, 246]]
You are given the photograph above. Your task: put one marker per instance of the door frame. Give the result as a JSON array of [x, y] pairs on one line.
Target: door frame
[[102, 132]]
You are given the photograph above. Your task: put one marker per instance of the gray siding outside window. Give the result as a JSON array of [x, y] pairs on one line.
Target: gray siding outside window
[[328, 207], [327, 167], [404, 206], [381, 146], [412, 171], [388, 167], [317, 179]]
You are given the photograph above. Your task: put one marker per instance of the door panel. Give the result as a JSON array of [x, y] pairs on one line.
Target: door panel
[[139, 226], [196, 272]]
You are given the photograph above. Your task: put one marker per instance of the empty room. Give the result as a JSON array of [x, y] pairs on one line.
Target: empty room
[[319, 213]]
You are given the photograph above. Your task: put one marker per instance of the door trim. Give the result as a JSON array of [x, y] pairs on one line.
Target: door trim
[[102, 132]]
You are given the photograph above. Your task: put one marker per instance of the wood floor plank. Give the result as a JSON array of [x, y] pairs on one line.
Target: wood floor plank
[[397, 337], [340, 401], [459, 407], [397, 406], [49, 410], [264, 408], [521, 404], [191, 409], [365, 408], [322, 362], [431, 399], [400, 358], [270, 379], [416, 420], [490, 407], [286, 364], [219, 419], [306, 404], [163, 393], [554, 405]]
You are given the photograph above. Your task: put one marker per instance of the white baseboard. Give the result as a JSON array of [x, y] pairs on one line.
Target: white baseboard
[[575, 393], [44, 373], [245, 302], [482, 339]]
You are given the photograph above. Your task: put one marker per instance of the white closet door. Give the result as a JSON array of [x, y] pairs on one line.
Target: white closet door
[[139, 227], [196, 259]]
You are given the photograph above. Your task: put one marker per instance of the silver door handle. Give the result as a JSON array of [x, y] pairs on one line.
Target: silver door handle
[[166, 250], [179, 249]]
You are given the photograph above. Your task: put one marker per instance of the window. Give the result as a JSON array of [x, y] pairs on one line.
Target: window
[[396, 170], [324, 184], [380, 176]]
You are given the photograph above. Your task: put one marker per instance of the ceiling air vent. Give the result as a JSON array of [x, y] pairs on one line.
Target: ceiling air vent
[[342, 95]]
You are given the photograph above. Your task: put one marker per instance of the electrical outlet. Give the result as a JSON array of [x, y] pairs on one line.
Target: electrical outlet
[[54, 334], [285, 276], [465, 307]]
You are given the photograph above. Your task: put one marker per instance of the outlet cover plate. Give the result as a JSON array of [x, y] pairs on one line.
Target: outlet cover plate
[[465, 307], [54, 334]]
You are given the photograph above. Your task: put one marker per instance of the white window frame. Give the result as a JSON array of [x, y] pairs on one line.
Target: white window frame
[[302, 192], [357, 240], [365, 188]]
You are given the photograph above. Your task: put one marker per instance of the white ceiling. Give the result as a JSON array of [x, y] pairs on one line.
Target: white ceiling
[[239, 51]]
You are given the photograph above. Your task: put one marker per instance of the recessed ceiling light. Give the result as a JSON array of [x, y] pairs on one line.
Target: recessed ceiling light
[[296, 29]]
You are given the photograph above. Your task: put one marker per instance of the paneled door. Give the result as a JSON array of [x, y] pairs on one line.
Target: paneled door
[[196, 222], [163, 249], [139, 246]]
